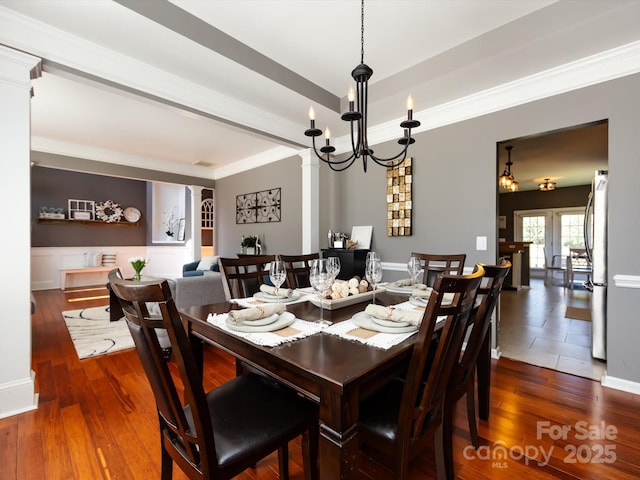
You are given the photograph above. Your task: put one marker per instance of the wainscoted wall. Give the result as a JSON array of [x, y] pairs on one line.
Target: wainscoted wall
[[46, 263]]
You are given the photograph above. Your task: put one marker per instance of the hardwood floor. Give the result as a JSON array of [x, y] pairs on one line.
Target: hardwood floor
[[97, 419]]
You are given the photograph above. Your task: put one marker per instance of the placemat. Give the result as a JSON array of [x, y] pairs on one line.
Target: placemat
[[297, 330], [351, 331]]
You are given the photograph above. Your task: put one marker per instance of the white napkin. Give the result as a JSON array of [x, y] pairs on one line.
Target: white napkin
[[393, 314], [254, 313], [403, 283], [282, 292]]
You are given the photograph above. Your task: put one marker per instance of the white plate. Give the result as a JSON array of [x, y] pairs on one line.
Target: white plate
[[389, 323], [365, 320], [284, 320], [262, 321], [132, 214], [406, 290], [419, 301], [342, 302], [265, 297]]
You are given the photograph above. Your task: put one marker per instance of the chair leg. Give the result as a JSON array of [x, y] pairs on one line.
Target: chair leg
[[471, 411], [447, 438], [283, 462], [310, 440], [166, 468], [439, 451]]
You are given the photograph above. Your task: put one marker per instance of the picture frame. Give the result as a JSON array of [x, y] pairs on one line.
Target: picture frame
[[181, 226], [502, 222], [362, 235]]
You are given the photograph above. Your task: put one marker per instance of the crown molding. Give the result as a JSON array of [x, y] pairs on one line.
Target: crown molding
[[609, 65]]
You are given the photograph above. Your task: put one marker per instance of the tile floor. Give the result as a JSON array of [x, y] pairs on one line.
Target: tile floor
[[533, 329]]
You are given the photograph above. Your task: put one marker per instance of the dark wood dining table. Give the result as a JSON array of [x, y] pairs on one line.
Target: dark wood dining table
[[333, 372]]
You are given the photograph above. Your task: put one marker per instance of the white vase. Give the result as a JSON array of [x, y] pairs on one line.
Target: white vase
[[251, 251]]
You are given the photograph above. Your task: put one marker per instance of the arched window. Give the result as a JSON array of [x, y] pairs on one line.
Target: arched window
[[206, 211]]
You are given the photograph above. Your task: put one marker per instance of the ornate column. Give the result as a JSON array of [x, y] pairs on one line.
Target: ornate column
[[17, 389]]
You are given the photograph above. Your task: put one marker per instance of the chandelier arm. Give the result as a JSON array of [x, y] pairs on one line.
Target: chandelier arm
[[383, 161]]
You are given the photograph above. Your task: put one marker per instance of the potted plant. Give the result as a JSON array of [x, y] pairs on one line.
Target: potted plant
[[249, 244]]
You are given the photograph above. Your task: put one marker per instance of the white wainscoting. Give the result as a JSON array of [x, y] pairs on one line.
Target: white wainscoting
[[46, 262]]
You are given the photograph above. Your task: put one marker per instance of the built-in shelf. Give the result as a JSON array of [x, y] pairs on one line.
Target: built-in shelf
[[88, 222]]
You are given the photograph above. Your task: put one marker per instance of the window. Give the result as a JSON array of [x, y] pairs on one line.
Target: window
[[553, 230]]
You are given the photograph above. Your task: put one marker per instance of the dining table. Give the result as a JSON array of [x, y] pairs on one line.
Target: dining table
[[334, 372]]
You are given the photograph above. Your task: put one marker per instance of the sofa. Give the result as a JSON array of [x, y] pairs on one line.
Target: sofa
[[197, 290], [199, 267]]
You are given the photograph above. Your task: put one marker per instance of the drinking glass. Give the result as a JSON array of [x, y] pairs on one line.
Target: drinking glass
[[321, 279], [413, 267], [334, 266], [277, 274], [373, 272]]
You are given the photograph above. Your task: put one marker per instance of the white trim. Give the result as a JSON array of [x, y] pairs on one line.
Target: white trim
[[496, 353], [626, 281], [620, 384], [18, 396], [608, 65]]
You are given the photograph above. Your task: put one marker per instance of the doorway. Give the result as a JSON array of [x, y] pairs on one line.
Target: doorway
[[536, 326]]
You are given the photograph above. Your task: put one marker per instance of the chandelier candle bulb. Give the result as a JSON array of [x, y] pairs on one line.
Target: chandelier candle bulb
[[351, 96]]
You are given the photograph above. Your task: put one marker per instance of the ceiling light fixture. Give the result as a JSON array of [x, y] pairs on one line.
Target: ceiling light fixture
[[357, 116], [507, 180], [546, 186]]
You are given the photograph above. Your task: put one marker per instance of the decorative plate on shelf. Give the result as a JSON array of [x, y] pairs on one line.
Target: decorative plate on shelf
[[132, 214]]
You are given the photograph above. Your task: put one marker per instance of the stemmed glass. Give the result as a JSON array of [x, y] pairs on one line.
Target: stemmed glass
[[321, 279], [277, 274], [413, 267], [373, 271], [334, 266]]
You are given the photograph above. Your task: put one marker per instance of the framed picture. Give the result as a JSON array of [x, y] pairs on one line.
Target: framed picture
[[502, 222], [181, 230], [362, 235]]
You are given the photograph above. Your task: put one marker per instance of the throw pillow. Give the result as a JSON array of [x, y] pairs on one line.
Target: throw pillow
[[207, 262]]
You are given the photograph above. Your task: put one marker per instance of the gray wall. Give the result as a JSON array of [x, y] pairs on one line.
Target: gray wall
[[283, 237], [533, 199], [52, 188], [449, 215]]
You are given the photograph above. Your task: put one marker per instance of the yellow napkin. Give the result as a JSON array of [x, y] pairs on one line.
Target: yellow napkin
[[254, 313], [282, 292], [393, 314]]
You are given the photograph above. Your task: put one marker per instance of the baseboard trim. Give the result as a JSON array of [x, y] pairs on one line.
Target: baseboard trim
[[496, 353], [620, 384], [18, 396]]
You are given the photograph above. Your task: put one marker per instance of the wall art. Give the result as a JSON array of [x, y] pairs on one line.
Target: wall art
[[400, 199], [258, 207]]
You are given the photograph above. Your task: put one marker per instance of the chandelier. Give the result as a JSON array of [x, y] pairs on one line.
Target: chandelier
[[507, 180], [357, 116], [546, 186]]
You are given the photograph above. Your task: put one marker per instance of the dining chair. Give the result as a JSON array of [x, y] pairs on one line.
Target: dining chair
[[577, 264], [435, 264], [405, 416], [242, 277], [553, 266], [298, 267], [220, 433], [462, 378]]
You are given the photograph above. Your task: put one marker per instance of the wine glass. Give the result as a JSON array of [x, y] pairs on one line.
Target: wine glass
[[373, 272], [334, 266], [413, 267], [277, 274], [321, 279]]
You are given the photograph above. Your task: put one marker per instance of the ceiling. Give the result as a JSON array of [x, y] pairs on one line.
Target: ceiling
[[210, 88]]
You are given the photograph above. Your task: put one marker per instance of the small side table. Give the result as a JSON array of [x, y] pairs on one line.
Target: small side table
[[352, 261]]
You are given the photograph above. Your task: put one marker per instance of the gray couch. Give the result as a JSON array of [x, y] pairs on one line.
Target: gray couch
[[196, 291]]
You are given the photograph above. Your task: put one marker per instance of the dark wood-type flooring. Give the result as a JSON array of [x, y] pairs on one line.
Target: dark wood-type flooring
[[96, 418]]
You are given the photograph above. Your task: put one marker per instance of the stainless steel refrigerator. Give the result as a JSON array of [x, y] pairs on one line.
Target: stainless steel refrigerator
[[595, 233]]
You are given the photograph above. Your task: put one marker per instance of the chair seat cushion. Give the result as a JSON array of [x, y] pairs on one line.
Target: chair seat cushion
[[379, 413], [252, 415]]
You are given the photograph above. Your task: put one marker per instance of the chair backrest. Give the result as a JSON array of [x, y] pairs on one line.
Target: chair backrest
[[437, 264], [242, 277], [191, 436], [298, 268], [488, 294], [578, 258], [423, 402]]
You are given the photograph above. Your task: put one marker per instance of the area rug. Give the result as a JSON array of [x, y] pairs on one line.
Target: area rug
[[93, 334], [578, 313]]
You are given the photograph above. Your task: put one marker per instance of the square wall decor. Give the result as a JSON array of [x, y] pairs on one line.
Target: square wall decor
[[400, 199], [258, 207]]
